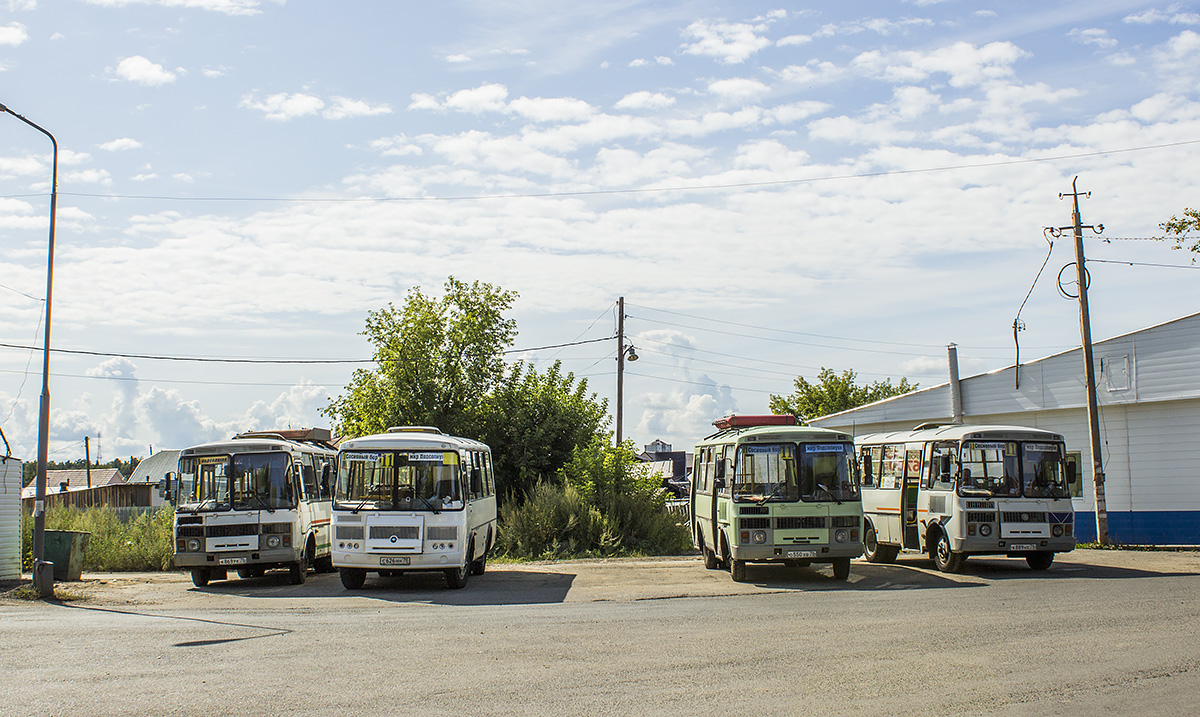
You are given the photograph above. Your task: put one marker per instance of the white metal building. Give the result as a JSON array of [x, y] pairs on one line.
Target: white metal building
[[1148, 386], [10, 518]]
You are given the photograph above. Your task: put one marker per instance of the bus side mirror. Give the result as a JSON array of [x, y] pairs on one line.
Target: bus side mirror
[[1071, 471], [164, 487], [944, 465], [720, 472], [476, 481], [719, 484], [326, 471]]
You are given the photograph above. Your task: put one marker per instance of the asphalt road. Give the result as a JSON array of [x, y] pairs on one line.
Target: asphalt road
[[1101, 632]]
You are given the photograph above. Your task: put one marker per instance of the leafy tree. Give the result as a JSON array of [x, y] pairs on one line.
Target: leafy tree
[[834, 392], [533, 423], [437, 359], [1180, 226]]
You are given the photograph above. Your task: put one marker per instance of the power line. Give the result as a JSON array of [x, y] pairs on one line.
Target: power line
[[1144, 263], [641, 190]]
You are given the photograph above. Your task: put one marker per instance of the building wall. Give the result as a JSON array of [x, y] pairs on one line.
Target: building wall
[[10, 519]]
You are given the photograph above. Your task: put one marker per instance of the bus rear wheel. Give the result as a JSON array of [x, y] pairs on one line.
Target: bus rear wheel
[[352, 578], [710, 558], [1040, 561]]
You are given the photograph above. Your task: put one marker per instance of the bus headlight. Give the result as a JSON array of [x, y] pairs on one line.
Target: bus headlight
[[985, 530], [760, 536], [193, 545], [272, 541], [841, 535], [1056, 530]]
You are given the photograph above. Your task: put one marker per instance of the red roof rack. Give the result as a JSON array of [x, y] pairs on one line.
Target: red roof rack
[[735, 421]]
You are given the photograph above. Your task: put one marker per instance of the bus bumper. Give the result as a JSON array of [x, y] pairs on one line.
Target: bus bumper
[[238, 559], [409, 561], [777, 553]]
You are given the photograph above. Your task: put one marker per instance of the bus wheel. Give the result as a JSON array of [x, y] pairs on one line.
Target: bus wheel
[[737, 570], [872, 550], [944, 558], [479, 566], [352, 578], [298, 571], [456, 578], [324, 565], [200, 577], [1040, 561], [710, 558], [841, 568]]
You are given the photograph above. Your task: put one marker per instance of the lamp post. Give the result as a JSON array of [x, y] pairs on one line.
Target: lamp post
[[43, 574]]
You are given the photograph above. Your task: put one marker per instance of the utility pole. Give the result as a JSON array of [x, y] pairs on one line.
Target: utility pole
[[87, 459], [1089, 368], [620, 364]]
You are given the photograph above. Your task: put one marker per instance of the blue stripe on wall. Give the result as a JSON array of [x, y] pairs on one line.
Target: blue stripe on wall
[[1151, 527]]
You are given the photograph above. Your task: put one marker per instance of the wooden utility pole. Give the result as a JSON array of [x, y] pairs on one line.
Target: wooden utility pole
[[1089, 368], [620, 364], [87, 459]]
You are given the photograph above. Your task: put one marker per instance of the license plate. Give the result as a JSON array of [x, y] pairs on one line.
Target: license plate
[[1022, 546], [802, 553], [399, 560], [231, 561]]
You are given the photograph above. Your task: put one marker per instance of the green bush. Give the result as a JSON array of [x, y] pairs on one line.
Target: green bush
[[144, 543], [603, 503]]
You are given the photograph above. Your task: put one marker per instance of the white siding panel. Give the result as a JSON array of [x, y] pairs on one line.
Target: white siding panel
[[10, 520]]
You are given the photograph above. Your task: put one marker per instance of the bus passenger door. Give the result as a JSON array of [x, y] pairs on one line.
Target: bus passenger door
[[912, 476]]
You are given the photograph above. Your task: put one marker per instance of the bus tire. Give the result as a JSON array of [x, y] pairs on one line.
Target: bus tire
[[737, 570], [872, 550], [944, 558], [200, 577], [298, 571], [456, 578], [352, 578], [710, 558], [841, 568], [1040, 560]]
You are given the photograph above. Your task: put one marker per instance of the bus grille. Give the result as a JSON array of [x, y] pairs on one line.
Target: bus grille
[[754, 523], [804, 522], [277, 528], [441, 532], [349, 532], [754, 510], [190, 520], [403, 532], [977, 517], [227, 531], [190, 531], [980, 505], [846, 521], [1012, 516]]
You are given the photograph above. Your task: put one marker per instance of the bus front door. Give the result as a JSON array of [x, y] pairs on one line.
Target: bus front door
[[908, 508]]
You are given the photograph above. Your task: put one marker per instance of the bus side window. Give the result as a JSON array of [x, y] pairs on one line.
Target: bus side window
[[941, 466], [308, 477], [868, 471]]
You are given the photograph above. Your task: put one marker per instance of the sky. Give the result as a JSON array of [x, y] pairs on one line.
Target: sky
[[773, 187]]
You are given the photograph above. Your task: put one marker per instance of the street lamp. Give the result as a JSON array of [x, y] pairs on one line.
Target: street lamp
[[43, 573]]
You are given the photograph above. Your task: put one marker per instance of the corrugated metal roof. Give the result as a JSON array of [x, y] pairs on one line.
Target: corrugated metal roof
[[152, 469], [10, 519], [77, 479]]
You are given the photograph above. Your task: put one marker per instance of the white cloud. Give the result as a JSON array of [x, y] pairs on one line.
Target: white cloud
[[1093, 36], [488, 97], [213, 72], [553, 109], [730, 43], [227, 7], [13, 34], [639, 62], [662, 60], [1172, 16], [643, 100], [966, 64], [344, 107], [793, 40], [458, 59], [283, 106], [120, 144], [144, 72], [738, 88], [398, 146]]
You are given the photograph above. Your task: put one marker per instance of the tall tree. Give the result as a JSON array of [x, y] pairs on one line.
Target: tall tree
[[436, 360], [834, 392], [1178, 227], [534, 422]]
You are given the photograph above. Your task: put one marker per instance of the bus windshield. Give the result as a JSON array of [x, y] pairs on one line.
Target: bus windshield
[[1042, 469], [989, 468], [398, 480], [254, 481], [824, 472]]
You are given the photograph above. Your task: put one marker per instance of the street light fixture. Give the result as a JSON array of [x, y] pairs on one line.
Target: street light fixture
[[43, 573]]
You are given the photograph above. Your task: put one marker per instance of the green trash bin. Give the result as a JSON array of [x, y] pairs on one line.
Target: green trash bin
[[65, 549]]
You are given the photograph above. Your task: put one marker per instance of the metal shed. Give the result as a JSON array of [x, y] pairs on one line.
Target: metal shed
[[10, 518], [1148, 386]]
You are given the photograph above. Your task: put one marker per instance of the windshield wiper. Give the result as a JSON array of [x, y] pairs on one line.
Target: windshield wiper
[[430, 504], [829, 493], [767, 496], [365, 500], [263, 503]]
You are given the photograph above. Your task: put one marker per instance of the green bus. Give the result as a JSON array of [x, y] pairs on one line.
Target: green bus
[[765, 490]]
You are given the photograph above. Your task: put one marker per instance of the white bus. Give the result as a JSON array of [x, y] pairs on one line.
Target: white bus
[[414, 499], [257, 501], [766, 490], [953, 490]]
